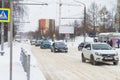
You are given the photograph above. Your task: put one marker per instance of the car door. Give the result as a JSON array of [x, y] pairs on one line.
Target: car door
[[87, 51]]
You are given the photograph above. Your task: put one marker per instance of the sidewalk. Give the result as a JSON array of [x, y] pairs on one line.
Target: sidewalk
[[18, 72]]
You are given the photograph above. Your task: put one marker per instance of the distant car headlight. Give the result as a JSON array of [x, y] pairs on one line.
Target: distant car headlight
[[98, 54]]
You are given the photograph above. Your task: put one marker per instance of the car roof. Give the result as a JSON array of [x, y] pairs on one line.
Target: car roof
[[59, 42], [96, 43]]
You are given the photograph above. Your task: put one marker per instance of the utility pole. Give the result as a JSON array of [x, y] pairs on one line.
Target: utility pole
[[11, 38], [84, 31], [60, 4], [84, 23], [2, 32]]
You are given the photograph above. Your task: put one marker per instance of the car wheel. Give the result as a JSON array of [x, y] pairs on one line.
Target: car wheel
[[41, 47], [54, 51], [83, 58], [115, 63], [66, 51], [93, 62]]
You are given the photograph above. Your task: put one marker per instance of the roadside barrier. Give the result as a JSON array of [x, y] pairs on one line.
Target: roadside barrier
[[25, 61], [2, 53]]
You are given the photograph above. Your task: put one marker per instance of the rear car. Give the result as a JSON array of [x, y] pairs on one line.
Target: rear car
[[59, 47], [38, 43], [81, 45], [33, 41], [99, 52], [45, 44]]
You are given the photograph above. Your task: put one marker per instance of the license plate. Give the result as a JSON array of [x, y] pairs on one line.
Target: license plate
[[62, 49], [108, 58]]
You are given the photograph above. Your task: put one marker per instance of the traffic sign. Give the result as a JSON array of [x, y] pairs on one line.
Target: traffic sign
[[4, 15]]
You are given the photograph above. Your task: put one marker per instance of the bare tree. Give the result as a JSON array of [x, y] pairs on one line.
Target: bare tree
[[106, 19], [93, 16], [19, 11]]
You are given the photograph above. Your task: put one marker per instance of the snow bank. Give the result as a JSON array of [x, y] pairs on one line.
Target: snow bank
[[78, 40], [18, 72]]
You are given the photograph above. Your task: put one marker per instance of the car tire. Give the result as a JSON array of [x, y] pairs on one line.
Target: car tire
[[66, 51], [93, 62], [83, 58], [54, 51], [41, 47], [115, 63]]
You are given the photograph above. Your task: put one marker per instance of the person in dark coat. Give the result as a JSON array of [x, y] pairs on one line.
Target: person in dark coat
[[111, 43]]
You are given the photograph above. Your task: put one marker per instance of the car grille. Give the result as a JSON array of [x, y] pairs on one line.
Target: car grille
[[108, 59], [108, 55]]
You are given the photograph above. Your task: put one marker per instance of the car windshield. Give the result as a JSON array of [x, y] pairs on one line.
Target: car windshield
[[38, 41], [60, 44], [46, 42], [101, 47], [33, 40], [82, 44]]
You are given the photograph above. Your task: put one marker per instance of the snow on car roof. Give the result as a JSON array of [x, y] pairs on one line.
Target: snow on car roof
[[111, 33], [96, 43]]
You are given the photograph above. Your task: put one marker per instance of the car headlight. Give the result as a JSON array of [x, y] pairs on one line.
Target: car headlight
[[116, 54], [98, 54]]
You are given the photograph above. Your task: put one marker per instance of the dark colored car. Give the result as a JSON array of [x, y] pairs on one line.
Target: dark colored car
[[59, 47], [81, 45], [38, 43], [45, 44]]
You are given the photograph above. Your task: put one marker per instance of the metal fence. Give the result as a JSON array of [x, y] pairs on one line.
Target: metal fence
[[2, 53], [25, 60]]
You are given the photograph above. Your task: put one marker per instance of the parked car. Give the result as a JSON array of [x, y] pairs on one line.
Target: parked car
[[33, 41], [99, 52], [38, 43], [59, 47], [45, 44], [81, 45]]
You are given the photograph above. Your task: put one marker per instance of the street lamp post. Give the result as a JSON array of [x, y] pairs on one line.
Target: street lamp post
[[84, 31], [2, 33], [84, 23], [11, 36]]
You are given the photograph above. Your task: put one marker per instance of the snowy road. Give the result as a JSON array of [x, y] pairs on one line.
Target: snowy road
[[68, 66]]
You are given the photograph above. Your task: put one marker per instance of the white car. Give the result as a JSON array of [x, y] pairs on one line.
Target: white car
[[99, 52]]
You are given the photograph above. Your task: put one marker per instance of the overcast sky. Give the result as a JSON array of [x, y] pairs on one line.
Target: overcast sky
[[51, 11]]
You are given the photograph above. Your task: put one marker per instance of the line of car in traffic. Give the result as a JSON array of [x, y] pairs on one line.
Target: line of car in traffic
[[53, 46], [93, 52]]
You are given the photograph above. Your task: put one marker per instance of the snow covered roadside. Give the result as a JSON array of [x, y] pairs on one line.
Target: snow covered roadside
[[18, 71], [78, 40]]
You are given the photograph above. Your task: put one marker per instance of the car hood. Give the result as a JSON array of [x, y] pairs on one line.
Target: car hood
[[105, 51]]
